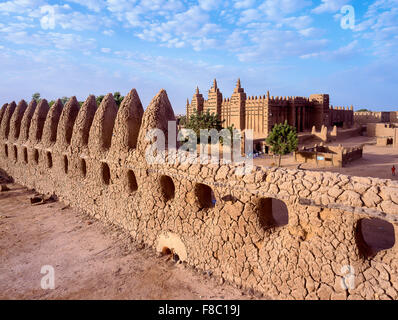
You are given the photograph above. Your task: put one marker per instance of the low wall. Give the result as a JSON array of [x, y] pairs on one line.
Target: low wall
[[290, 234], [348, 133], [365, 117], [321, 159], [383, 131], [379, 130], [336, 134], [328, 156]]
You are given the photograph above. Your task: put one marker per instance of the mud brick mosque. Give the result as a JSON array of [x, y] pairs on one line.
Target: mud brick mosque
[[261, 113]]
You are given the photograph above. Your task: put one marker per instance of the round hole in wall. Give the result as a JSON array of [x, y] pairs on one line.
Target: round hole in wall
[[36, 156], [167, 188], [205, 196], [83, 168], [15, 153], [169, 252], [49, 160], [106, 173], [374, 235], [272, 213], [66, 164], [25, 155], [132, 181]]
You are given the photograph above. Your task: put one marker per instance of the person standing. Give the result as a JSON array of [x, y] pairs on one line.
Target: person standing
[[393, 170]]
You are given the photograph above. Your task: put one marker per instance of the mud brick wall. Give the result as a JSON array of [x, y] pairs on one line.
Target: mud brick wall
[[287, 233]]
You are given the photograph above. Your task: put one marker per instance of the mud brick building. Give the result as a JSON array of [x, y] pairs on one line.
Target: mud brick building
[[261, 113]]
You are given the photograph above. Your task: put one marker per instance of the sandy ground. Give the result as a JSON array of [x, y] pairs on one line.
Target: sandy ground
[[376, 160], [91, 260]]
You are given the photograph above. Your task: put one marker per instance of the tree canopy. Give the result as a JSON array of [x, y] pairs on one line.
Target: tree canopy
[[183, 120], [36, 97], [117, 96], [282, 139], [203, 120]]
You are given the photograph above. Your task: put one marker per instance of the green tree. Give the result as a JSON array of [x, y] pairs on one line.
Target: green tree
[[182, 121], [363, 110], [36, 97], [99, 99], [283, 140], [203, 120], [64, 100], [118, 98]]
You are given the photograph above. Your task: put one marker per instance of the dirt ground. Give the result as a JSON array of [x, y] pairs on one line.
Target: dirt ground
[[91, 260], [376, 160]]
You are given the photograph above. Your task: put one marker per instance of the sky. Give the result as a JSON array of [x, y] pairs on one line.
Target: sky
[[347, 49]]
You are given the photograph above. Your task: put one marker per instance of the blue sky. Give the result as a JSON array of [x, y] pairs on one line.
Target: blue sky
[[290, 47]]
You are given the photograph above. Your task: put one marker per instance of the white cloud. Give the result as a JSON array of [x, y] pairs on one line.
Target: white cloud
[[188, 26], [77, 21], [19, 6], [345, 52], [235, 40], [106, 50], [244, 4], [108, 32], [119, 5], [141, 13], [308, 32], [380, 27], [249, 15], [62, 41], [54, 16], [277, 44], [301, 22], [94, 5], [330, 6], [203, 43], [275, 9], [15, 27], [209, 4]]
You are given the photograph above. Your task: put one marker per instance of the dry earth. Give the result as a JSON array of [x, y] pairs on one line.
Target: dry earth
[[91, 260]]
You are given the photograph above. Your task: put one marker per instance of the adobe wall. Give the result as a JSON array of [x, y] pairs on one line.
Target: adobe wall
[[97, 164], [328, 156], [344, 115], [364, 117], [326, 135], [394, 116], [379, 130], [348, 133]]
